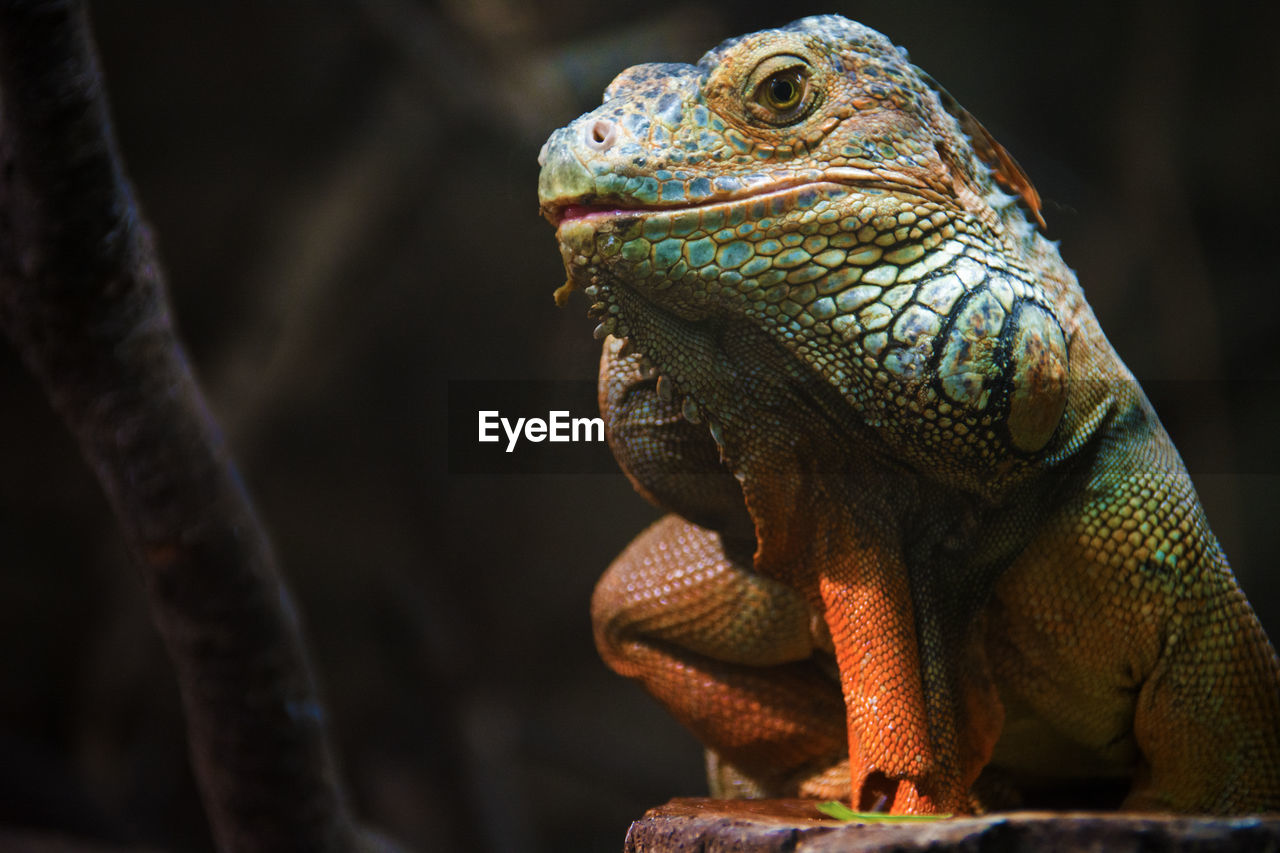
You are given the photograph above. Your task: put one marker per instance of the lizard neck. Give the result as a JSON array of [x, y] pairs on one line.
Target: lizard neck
[[902, 320]]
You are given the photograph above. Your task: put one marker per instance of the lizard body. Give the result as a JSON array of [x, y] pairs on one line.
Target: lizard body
[[929, 546]]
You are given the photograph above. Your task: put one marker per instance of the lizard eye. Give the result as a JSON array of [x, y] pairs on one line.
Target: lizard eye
[[780, 92]]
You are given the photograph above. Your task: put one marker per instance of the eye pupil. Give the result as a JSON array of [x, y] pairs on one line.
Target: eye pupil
[[783, 91], [781, 95]]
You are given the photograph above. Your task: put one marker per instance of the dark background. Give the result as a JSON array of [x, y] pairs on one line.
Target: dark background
[[345, 198]]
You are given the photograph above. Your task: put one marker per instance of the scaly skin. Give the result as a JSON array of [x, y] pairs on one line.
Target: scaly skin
[[930, 548]]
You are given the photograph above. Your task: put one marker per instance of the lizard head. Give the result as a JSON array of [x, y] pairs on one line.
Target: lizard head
[[824, 99], [810, 183]]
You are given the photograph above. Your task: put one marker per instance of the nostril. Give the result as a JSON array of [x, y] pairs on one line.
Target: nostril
[[601, 134]]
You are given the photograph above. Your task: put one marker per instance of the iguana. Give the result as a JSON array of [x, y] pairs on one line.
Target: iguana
[[929, 546]]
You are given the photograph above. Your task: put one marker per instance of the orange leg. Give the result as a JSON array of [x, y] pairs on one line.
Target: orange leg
[[922, 713], [921, 710], [729, 653]]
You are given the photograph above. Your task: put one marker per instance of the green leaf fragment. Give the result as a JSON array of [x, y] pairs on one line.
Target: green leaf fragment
[[840, 811]]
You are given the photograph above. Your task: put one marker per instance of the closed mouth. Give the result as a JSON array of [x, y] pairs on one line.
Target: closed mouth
[[576, 212], [558, 213]]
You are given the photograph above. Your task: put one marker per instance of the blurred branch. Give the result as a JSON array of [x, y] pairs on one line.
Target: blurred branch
[[82, 299]]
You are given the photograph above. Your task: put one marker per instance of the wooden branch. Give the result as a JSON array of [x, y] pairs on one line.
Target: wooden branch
[[82, 298], [779, 826]]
